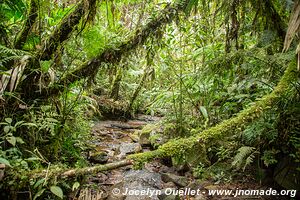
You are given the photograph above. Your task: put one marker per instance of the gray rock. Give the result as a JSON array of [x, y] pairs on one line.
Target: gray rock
[[99, 157], [178, 180], [129, 148], [143, 177], [164, 196], [196, 184], [142, 180], [200, 197], [287, 175]]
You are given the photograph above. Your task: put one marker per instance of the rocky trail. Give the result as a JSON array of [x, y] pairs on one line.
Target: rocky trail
[[114, 140], [159, 180]]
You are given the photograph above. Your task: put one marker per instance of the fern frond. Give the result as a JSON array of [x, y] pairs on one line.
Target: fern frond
[[8, 54], [12, 52], [9, 58], [244, 156], [249, 160]]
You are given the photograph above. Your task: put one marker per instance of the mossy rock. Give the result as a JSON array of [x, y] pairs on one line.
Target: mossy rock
[[158, 140], [287, 174], [146, 132], [135, 135], [98, 157]]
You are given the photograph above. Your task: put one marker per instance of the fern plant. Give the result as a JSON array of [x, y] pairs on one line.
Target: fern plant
[[8, 54], [244, 157]]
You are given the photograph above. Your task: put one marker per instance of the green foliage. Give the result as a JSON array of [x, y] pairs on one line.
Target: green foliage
[[269, 157], [211, 64], [199, 170], [7, 55], [244, 157], [57, 191], [218, 173]]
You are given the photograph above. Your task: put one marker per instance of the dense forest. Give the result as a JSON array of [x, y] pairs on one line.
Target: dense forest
[[98, 97]]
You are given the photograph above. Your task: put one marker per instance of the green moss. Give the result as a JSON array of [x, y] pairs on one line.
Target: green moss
[[182, 146], [148, 129], [141, 158], [238, 123]]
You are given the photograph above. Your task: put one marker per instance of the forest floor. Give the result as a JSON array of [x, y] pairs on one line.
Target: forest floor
[[114, 140]]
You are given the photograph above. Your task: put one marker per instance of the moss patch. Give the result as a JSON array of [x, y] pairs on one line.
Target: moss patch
[[181, 147]]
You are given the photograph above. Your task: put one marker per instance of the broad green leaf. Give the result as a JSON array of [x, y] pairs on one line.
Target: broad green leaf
[[204, 112], [75, 186], [39, 193], [12, 140], [8, 120], [39, 182], [6, 129], [20, 140], [4, 161], [57, 191]]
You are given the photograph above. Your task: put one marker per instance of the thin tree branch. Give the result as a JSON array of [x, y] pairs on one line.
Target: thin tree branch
[[32, 15]]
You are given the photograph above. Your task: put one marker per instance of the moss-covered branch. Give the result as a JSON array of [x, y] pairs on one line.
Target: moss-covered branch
[[84, 9], [114, 54], [64, 29], [68, 173], [32, 15], [95, 169], [226, 128], [183, 146]]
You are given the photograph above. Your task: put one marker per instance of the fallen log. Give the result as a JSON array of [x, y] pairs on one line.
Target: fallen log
[[182, 146], [69, 173], [95, 169]]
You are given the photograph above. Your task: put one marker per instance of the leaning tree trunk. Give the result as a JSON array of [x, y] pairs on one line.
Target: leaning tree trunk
[[180, 147], [138, 90], [32, 86], [113, 54], [114, 93]]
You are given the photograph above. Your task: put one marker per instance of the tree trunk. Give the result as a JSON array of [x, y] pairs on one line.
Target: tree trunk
[[32, 15], [182, 146], [114, 93]]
